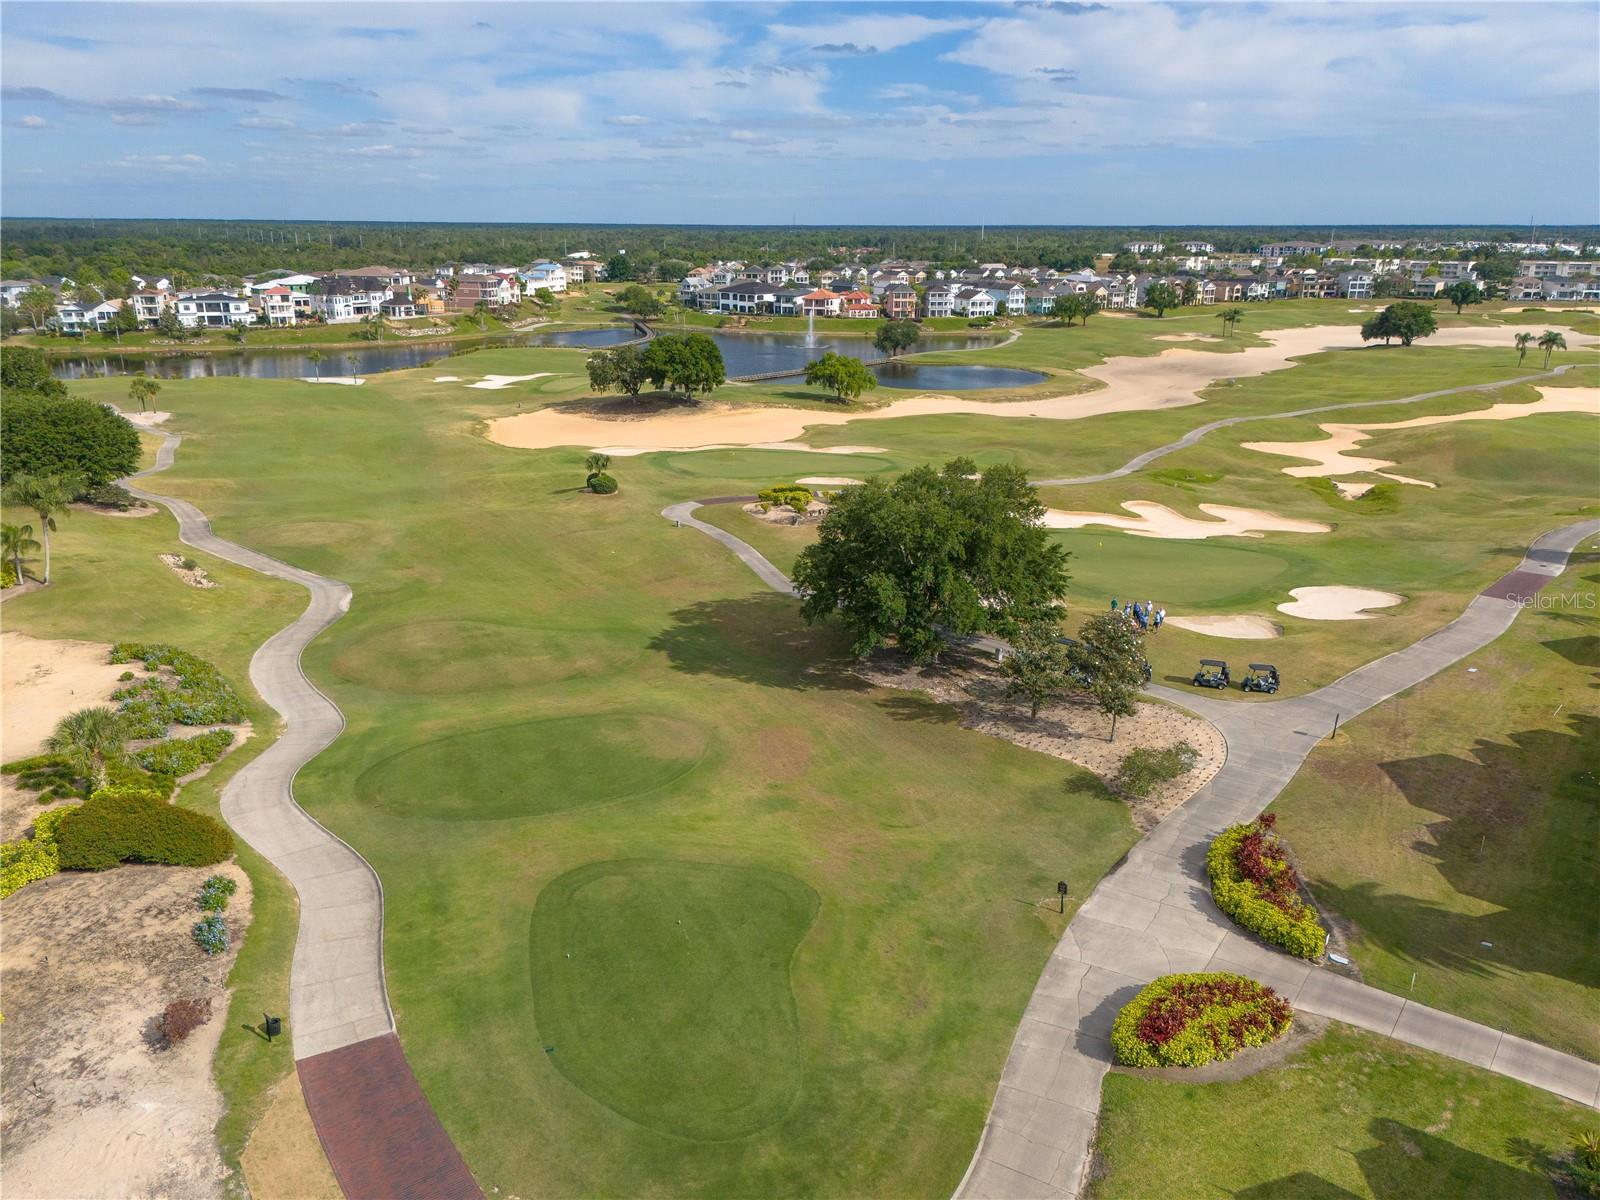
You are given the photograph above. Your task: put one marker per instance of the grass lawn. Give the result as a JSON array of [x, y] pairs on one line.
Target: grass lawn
[[1465, 841], [109, 585], [1352, 1114]]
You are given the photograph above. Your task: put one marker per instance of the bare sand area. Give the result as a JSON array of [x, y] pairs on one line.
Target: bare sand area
[[1331, 455], [284, 1158], [94, 1107], [493, 383], [42, 681], [1171, 379], [1337, 603], [147, 418], [1157, 520], [1072, 729], [1246, 627]]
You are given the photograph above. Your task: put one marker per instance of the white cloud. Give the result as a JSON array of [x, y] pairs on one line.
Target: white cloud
[[162, 162], [265, 123], [387, 151], [877, 31]]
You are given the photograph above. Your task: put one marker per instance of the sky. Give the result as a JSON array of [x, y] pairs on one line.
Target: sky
[[817, 113]]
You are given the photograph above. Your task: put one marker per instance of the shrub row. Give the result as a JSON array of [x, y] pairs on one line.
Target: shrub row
[[36, 857], [1253, 883], [793, 495], [120, 824], [201, 695], [179, 756], [1190, 1020]]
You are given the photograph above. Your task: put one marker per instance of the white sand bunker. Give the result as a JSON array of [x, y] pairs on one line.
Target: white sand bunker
[[1337, 603], [1157, 520], [1352, 491], [493, 383], [447, 379], [828, 480], [1241, 626], [147, 418], [634, 451], [346, 380], [1331, 455], [1184, 337]]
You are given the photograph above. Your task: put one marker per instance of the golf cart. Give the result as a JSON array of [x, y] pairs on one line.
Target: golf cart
[[1263, 677], [1213, 673]]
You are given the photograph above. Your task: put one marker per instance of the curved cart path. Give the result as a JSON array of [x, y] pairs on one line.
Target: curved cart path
[[1153, 914], [381, 1135]]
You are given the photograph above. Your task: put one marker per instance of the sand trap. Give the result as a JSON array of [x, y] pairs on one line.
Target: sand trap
[[42, 681], [1184, 337], [493, 383], [447, 379], [1352, 491], [1248, 627], [1172, 379], [1157, 520], [346, 380], [1330, 456], [828, 480], [1337, 603], [146, 418]]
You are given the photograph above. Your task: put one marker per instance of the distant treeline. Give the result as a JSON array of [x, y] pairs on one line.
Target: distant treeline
[[108, 249]]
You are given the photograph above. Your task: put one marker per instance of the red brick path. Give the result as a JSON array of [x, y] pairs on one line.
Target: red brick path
[[1517, 583], [378, 1129]]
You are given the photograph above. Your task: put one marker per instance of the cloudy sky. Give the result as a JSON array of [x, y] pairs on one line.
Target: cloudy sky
[[744, 112]]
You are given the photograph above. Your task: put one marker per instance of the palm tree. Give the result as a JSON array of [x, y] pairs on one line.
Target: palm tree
[[1230, 317], [87, 738], [597, 462], [45, 495], [1523, 341], [16, 543], [143, 389], [353, 358], [1550, 343], [315, 359]]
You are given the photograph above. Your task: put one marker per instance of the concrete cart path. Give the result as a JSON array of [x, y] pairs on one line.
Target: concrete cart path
[[1153, 914], [337, 996]]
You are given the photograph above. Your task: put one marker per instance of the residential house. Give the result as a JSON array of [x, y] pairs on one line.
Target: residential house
[[973, 302], [1570, 287], [858, 305], [11, 290], [148, 306], [786, 300], [1454, 270], [1199, 247], [151, 281], [1227, 291], [1008, 292], [938, 302], [1559, 268], [695, 290], [76, 319], [342, 298], [468, 291], [821, 303], [1356, 285], [899, 302], [213, 310], [273, 306], [390, 277], [1144, 247], [581, 270], [399, 307], [1282, 250], [1525, 287], [745, 296], [544, 274]]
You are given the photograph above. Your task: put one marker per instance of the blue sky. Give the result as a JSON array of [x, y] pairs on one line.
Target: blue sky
[[766, 113]]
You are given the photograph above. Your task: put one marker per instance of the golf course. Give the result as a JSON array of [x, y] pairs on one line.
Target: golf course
[[675, 902]]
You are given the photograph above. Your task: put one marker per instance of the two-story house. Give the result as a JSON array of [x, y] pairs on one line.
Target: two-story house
[[213, 310]]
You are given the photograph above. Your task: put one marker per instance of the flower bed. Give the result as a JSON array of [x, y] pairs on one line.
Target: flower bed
[[1252, 881], [1191, 1020], [201, 695]]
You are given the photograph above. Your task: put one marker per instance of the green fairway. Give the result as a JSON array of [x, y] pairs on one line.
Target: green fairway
[[1351, 1114], [662, 990], [1465, 843]]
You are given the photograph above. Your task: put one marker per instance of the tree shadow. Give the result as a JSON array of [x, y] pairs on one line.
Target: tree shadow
[[758, 639], [914, 707], [1581, 651], [1507, 835]]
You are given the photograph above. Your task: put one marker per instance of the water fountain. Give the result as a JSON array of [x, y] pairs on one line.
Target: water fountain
[[811, 328]]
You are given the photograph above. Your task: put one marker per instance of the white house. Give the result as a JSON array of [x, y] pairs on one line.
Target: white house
[[974, 302], [151, 281], [543, 274], [275, 306], [746, 296], [213, 310], [11, 290], [148, 306], [1144, 247], [85, 318], [938, 302], [1008, 292], [1356, 285], [346, 298]]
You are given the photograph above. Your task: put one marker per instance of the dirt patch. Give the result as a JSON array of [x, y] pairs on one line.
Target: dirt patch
[[42, 680], [1306, 1028], [284, 1158], [138, 509], [1071, 729], [195, 576], [92, 1109]]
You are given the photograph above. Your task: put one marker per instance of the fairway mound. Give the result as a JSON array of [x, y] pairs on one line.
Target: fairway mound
[[535, 768], [1337, 603], [1157, 520], [1070, 728], [1331, 455], [661, 988], [493, 383], [1239, 626]]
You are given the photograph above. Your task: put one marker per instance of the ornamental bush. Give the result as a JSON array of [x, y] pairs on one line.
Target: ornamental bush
[[211, 933], [1144, 768], [36, 857], [797, 498], [602, 484], [197, 694], [1190, 1020], [182, 1017], [118, 825], [179, 756], [1253, 883], [216, 892], [53, 776]]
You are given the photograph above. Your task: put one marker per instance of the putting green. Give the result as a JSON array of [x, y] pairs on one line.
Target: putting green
[[535, 768], [1107, 563], [661, 989], [452, 657]]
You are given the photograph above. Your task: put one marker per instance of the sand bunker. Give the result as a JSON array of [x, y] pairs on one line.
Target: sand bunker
[[146, 418], [1337, 603], [1330, 456], [1352, 491], [1171, 379], [1184, 337], [1241, 626], [828, 480], [346, 380], [493, 383], [42, 681], [447, 379], [1157, 520]]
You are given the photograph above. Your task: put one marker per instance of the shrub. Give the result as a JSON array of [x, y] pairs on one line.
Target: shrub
[[111, 495], [1253, 883], [182, 1017], [1144, 768], [118, 825], [602, 484], [200, 695], [65, 436], [53, 776], [216, 892], [179, 756], [8, 574], [125, 676], [36, 857], [211, 933], [1190, 1020], [797, 498]]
